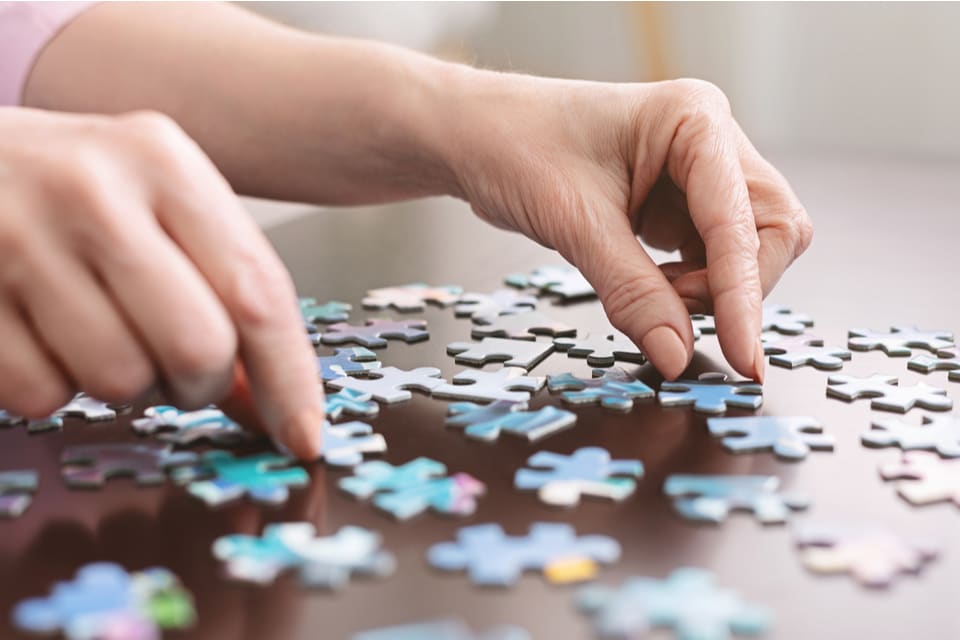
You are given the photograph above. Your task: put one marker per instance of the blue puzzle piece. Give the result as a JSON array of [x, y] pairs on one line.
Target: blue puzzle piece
[[788, 437], [351, 401], [710, 393], [347, 361], [187, 427], [344, 444], [325, 562], [410, 489], [561, 480], [488, 422], [449, 629], [688, 601], [326, 313], [711, 498], [612, 388], [265, 477], [490, 557]]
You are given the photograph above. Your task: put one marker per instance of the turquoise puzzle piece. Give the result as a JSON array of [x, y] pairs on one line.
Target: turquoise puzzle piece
[[326, 313], [688, 601], [487, 422], [707, 498], [344, 444], [789, 437], [347, 361], [612, 388], [221, 478], [711, 393], [188, 427], [356, 403], [446, 629], [562, 479], [410, 489]]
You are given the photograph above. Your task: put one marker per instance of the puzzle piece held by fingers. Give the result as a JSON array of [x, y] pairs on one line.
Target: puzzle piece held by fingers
[[326, 313], [16, 492], [411, 297], [220, 477], [711, 393], [788, 437], [899, 341], [702, 324], [564, 281], [410, 489], [188, 427], [356, 403], [874, 556], [375, 333], [946, 360], [804, 349], [560, 480], [321, 562], [504, 416], [91, 465], [707, 498], [886, 394], [924, 478], [446, 629], [612, 388], [782, 320], [347, 361], [344, 444], [601, 350], [936, 433], [391, 384], [513, 353], [508, 383], [485, 308]]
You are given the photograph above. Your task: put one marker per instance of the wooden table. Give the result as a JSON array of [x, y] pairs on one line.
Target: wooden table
[[884, 253]]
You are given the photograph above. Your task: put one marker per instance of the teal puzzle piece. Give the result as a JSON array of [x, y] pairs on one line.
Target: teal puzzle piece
[[221, 478]]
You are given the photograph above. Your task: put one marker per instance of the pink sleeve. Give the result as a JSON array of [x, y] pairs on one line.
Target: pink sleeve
[[25, 29]]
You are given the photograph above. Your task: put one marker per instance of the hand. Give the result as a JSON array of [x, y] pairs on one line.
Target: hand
[[584, 168], [128, 262]]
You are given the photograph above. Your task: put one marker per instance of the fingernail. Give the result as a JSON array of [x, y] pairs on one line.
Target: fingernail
[[304, 433], [666, 350], [759, 361]]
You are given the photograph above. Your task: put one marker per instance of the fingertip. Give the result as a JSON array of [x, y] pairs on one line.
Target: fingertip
[[302, 435], [664, 347], [759, 362]]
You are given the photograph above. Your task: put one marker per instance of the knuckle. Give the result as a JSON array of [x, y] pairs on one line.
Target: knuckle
[[154, 134], [701, 94], [803, 229], [121, 380]]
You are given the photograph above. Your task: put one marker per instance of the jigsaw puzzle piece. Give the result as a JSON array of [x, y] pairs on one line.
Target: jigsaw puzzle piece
[[37, 425], [344, 444], [81, 406], [447, 629], [702, 324], [411, 297], [936, 433], [707, 498], [873, 556], [804, 349], [410, 489], [492, 558], [564, 281], [391, 384], [375, 333], [356, 403], [782, 320], [946, 360], [610, 388], [326, 313], [513, 353], [688, 601], [526, 325], [900, 340], [188, 427], [560, 480], [485, 308], [601, 350], [886, 395], [509, 383], [487, 422], [321, 562], [348, 361], [788, 437], [16, 492], [220, 477], [711, 393], [924, 478], [90, 466]]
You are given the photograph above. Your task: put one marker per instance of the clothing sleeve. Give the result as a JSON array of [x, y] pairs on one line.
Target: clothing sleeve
[[25, 29]]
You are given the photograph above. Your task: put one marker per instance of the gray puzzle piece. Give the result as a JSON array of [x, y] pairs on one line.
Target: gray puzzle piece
[[788, 437], [348, 361], [564, 281], [709, 498], [485, 308], [710, 393], [782, 320], [702, 324], [147, 462], [488, 422], [804, 349], [886, 395], [508, 383], [522, 326], [391, 384], [946, 360], [937, 433], [515, 353], [899, 341], [601, 350], [375, 332]]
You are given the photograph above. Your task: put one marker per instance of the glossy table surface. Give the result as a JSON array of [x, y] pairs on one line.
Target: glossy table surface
[[884, 254]]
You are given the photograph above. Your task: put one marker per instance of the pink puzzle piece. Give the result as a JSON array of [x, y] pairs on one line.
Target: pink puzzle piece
[[925, 478]]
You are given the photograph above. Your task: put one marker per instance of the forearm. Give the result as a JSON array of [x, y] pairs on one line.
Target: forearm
[[282, 113]]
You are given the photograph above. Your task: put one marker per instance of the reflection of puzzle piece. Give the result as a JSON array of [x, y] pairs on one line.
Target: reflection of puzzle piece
[[900, 340], [688, 601], [780, 319], [265, 477], [522, 326], [484, 308], [561, 480], [492, 558], [326, 313], [601, 350], [411, 297], [804, 349], [925, 478], [513, 353], [355, 403], [702, 324], [508, 383], [947, 360], [787, 437], [611, 388], [410, 489], [374, 333], [873, 556], [708, 498], [937, 433], [326, 562], [344, 444], [91, 465], [564, 281], [886, 394], [391, 384], [16, 492], [488, 422], [711, 393], [188, 427], [38, 425], [347, 362], [446, 629], [104, 601]]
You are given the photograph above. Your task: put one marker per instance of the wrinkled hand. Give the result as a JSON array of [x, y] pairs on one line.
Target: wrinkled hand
[[584, 168], [127, 263]]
